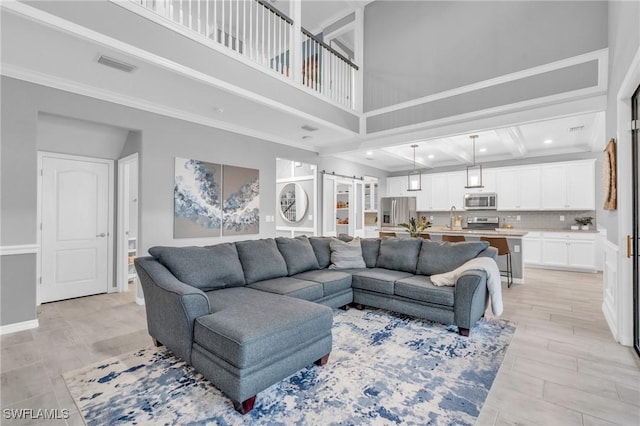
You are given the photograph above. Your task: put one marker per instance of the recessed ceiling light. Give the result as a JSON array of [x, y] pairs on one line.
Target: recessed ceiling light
[[483, 150], [308, 128], [306, 137], [548, 141], [369, 153], [431, 156]]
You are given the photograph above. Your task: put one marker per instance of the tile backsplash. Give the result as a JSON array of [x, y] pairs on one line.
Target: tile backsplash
[[528, 219]]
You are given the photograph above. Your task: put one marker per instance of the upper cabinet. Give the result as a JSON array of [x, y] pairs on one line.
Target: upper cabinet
[[568, 186], [518, 188], [397, 186]]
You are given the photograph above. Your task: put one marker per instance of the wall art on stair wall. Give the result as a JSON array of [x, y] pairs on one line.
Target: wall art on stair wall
[[213, 199]]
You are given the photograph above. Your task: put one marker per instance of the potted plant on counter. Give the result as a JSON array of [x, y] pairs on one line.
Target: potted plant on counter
[[414, 227], [584, 222]]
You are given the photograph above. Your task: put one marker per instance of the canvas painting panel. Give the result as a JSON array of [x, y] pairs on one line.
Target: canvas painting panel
[[241, 206], [197, 199]]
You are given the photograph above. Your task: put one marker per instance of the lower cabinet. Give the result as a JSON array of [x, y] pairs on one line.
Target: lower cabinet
[[561, 250]]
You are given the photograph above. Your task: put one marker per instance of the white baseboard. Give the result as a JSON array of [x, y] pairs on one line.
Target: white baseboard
[[18, 326], [140, 301]]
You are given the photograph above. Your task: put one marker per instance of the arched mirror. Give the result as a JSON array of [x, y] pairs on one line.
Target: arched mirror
[[293, 202]]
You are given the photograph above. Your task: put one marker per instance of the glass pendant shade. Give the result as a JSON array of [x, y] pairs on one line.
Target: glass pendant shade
[[474, 171], [414, 178], [474, 176], [414, 182]]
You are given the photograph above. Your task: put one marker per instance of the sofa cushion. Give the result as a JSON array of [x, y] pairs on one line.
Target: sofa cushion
[[370, 251], [346, 255], [399, 254], [261, 260], [206, 268], [439, 257], [377, 280], [332, 281], [420, 287], [298, 254], [322, 250], [293, 287], [249, 326]]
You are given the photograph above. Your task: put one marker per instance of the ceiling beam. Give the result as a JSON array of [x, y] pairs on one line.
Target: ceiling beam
[[512, 139], [409, 159], [453, 149]]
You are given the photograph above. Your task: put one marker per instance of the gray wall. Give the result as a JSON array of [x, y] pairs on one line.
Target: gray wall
[[415, 49], [624, 40], [158, 139], [18, 290]]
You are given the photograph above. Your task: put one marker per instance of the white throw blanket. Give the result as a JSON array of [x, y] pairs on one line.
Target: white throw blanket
[[494, 284]]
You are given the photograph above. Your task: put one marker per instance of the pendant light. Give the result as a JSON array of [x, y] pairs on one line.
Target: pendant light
[[414, 178], [474, 172]]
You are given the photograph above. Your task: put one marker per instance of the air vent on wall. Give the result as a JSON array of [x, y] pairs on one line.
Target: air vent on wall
[[309, 128], [117, 64], [576, 129]]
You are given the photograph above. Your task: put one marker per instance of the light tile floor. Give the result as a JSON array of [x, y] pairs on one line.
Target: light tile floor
[[562, 367]]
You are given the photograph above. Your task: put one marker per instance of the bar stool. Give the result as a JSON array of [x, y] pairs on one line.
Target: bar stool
[[425, 236], [503, 249], [453, 238], [387, 234]]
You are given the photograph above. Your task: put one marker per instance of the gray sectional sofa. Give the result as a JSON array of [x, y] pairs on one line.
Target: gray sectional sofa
[[248, 314]]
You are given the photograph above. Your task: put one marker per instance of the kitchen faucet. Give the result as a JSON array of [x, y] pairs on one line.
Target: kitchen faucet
[[451, 216]]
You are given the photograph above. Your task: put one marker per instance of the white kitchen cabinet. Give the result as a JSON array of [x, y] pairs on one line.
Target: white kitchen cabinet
[[565, 250], [532, 248], [518, 188], [581, 186], [371, 196], [440, 191], [568, 186], [397, 186]]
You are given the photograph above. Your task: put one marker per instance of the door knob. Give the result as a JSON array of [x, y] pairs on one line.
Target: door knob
[[101, 235]]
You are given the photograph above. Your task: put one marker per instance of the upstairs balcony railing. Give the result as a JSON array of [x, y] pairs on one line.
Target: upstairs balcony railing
[[263, 34]]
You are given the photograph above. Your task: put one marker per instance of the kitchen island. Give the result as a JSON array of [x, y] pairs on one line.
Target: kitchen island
[[513, 236]]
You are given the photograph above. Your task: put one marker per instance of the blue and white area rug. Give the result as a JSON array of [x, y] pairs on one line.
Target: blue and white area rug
[[384, 369]]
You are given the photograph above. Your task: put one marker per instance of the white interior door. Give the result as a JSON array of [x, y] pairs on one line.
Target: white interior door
[[75, 228]]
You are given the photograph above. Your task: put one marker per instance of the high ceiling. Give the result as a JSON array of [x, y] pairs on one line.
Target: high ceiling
[[566, 135], [45, 54]]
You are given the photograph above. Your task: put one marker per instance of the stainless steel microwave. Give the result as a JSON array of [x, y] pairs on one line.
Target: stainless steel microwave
[[481, 201]]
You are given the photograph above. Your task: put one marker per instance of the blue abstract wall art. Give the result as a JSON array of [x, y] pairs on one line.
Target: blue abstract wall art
[[213, 199]]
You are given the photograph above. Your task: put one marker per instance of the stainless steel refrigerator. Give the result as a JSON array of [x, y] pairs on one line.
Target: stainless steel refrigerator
[[395, 210]]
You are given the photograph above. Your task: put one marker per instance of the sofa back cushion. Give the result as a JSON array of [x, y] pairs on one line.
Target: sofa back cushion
[[345, 255], [370, 251], [206, 268], [298, 254], [440, 257], [322, 250], [399, 254], [261, 260]]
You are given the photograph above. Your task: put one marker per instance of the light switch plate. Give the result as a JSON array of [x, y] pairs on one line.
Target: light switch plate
[[561, 218]]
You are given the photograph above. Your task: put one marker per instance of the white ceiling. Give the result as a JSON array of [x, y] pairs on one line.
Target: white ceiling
[[566, 135], [49, 55]]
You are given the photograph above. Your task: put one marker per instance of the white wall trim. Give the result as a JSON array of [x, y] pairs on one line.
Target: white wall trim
[[610, 298], [602, 56], [18, 326], [19, 249]]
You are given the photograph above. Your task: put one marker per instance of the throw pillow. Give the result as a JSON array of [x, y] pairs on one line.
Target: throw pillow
[[440, 257], [206, 268], [370, 251], [298, 254], [346, 254], [399, 254], [261, 260], [322, 250]]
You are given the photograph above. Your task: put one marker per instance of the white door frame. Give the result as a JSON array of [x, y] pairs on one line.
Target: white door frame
[[122, 282], [624, 332], [109, 163]]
